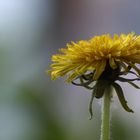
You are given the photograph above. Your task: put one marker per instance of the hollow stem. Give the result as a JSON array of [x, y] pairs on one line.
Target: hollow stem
[[105, 124]]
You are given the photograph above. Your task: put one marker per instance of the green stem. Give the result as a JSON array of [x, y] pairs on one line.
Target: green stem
[[105, 125]]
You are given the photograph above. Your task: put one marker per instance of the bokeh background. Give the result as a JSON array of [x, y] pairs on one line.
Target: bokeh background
[[32, 107]]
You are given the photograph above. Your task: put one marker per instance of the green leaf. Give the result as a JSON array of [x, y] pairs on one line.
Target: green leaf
[[121, 97]]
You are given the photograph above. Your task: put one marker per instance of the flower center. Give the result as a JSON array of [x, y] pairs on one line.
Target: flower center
[[109, 74]]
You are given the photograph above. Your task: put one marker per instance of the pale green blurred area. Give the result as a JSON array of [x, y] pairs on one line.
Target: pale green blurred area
[[32, 107]]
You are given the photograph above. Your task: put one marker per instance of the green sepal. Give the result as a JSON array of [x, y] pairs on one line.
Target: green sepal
[[88, 76], [134, 85], [121, 79], [90, 104], [100, 87], [121, 97]]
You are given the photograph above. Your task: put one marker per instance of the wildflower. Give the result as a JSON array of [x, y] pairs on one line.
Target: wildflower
[[100, 62]]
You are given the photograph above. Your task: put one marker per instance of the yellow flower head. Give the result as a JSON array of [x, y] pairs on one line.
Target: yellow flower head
[[95, 54], [99, 62]]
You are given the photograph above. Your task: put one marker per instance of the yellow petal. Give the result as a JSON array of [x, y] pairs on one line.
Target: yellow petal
[[112, 63], [100, 67]]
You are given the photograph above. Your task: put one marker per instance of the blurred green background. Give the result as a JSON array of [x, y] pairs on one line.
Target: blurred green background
[[32, 107]]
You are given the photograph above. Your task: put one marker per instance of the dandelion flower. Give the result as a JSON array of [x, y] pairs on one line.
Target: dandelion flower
[[101, 60]]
